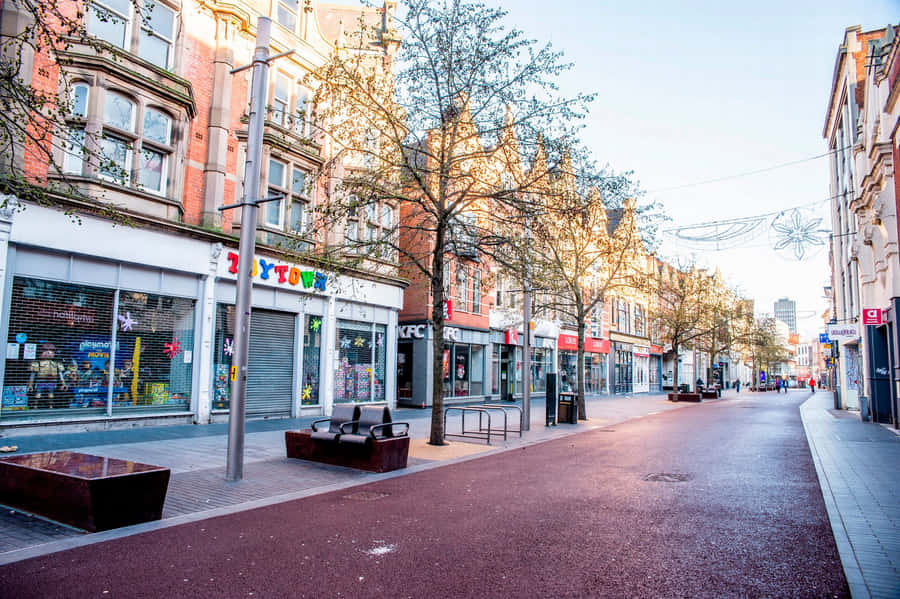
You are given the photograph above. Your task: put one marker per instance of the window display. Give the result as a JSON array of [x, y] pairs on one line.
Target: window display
[[312, 351], [60, 356], [463, 370], [360, 374]]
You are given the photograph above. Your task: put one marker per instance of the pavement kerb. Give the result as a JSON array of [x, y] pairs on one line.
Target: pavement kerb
[[99, 537], [849, 561]]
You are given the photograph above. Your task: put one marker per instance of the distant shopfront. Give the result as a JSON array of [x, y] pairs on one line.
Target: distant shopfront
[[656, 354], [596, 356], [463, 359], [507, 365]]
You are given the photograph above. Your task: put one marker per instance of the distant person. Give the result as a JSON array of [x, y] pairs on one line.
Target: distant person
[[777, 385], [812, 384], [699, 384], [737, 385]]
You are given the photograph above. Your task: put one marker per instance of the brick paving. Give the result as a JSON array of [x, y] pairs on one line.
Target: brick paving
[[857, 466]]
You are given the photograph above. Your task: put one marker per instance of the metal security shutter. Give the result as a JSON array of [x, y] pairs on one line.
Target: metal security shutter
[[270, 368]]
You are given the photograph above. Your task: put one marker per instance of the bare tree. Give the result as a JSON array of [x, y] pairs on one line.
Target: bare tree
[[679, 314], [571, 246], [38, 104], [437, 141]]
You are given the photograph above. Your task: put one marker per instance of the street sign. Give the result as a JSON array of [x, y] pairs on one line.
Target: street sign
[[873, 316], [762, 376], [823, 337]]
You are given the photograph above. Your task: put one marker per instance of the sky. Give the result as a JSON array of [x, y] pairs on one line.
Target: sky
[[689, 91], [693, 91]]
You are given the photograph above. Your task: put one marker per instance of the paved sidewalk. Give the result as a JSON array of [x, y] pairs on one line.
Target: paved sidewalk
[[857, 465], [196, 455]]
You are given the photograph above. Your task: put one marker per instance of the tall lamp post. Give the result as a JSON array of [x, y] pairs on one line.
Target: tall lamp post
[[249, 205]]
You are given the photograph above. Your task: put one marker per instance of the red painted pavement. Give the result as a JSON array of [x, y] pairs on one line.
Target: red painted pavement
[[571, 517]]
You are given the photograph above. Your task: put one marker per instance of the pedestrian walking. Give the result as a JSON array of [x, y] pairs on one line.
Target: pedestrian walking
[[777, 385], [737, 385], [812, 384]]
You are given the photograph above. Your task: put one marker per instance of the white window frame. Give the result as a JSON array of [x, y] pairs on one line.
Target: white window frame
[[134, 27], [278, 5], [301, 111], [280, 103], [278, 187], [170, 41]]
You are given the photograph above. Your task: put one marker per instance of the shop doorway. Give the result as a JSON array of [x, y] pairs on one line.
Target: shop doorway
[[405, 373], [507, 367]]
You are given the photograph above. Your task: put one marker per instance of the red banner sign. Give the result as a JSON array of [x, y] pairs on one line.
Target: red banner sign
[[569, 342]]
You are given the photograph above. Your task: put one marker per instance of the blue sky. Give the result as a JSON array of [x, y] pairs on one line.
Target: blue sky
[[692, 91], [695, 90]]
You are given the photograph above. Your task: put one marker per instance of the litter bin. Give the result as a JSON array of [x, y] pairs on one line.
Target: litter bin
[[864, 408], [568, 408]]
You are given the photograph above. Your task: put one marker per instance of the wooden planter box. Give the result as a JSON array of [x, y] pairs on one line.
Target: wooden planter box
[[379, 455], [709, 394], [85, 491], [694, 397]]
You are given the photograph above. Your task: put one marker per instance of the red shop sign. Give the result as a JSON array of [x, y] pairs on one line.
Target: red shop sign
[[873, 316]]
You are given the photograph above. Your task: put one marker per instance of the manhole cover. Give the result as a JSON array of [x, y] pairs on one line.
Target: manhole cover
[[667, 477], [366, 495]]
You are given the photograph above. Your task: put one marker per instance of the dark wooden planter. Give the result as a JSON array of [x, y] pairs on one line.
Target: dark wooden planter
[[709, 394], [378, 455], [694, 397], [89, 492]]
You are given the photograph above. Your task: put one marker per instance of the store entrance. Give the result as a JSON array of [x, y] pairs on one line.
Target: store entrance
[[405, 373], [507, 367]]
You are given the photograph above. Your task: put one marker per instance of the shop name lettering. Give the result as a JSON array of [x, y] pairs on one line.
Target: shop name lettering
[[286, 274], [417, 331]]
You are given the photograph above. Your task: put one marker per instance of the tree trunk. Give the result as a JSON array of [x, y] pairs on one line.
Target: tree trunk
[[675, 369], [437, 342], [579, 369]]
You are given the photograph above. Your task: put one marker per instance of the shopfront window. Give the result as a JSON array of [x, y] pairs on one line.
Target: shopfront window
[[222, 353], [154, 351], [463, 370], [541, 364], [495, 370], [360, 375], [61, 361], [312, 354]]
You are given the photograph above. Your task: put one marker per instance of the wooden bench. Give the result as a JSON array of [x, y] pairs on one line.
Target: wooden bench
[[709, 394], [85, 491], [367, 442]]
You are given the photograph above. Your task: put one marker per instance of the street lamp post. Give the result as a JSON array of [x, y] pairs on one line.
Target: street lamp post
[[249, 205]]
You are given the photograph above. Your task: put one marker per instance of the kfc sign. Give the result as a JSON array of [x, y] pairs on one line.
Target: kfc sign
[[873, 316], [412, 331]]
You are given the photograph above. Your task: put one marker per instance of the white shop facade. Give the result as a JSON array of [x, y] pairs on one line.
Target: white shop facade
[[114, 326]]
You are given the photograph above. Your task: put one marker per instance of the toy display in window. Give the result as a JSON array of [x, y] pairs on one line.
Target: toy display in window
[[47, 376]]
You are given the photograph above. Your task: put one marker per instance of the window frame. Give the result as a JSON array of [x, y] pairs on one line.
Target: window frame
[[136, 27]]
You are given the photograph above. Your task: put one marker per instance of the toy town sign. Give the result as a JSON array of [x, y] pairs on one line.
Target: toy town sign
[[283, 274]]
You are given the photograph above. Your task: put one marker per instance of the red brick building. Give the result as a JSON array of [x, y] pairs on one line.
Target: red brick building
[[108, 324]]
